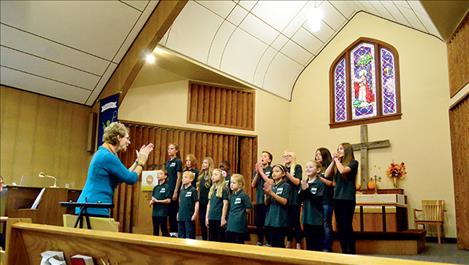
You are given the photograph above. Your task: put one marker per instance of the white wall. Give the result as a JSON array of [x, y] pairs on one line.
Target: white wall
[[421, 138]]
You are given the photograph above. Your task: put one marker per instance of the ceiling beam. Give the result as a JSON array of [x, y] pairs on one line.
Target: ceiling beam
[[154, 29]]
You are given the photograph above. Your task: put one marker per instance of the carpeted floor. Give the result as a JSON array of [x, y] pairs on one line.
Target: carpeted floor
[[447, 252]]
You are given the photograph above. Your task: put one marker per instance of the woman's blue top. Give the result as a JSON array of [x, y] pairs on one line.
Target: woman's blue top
[[106, 171]]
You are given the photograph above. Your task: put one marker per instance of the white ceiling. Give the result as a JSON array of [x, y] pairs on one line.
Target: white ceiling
[[67, 49], [267, 44]]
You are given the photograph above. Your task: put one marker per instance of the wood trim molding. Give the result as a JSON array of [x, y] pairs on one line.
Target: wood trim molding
[[186, 128], [156, 26]]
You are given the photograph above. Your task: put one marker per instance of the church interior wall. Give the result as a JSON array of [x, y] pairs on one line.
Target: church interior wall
[[166, 104], [421, 138], [42, 134]]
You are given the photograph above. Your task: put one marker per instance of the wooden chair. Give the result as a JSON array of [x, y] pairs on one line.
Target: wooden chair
[[432, 213]]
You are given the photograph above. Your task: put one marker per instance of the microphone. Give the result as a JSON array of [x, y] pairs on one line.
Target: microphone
[[44, 175]]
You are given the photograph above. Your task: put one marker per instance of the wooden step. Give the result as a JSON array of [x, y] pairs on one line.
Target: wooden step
[[408, 242]]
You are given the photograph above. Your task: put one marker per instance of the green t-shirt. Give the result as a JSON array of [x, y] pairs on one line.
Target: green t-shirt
[[161, 192], [216, 204], [173, 166], [260, 184], [187, 199], [203, 190], [345, 185], [277, 214], [312, 199], [293, 200], [237, 222]]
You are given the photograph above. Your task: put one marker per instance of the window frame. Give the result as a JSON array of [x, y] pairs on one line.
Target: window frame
[[379, 116]]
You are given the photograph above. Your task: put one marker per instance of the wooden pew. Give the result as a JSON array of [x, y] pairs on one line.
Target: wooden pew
[[27, 241]]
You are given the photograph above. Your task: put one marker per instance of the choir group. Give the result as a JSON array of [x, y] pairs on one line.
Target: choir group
[[282, 193]]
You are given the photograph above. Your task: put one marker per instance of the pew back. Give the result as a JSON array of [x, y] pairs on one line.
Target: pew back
[[123, 248]]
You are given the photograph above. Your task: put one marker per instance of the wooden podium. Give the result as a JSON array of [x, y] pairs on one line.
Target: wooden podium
[[17, 202]]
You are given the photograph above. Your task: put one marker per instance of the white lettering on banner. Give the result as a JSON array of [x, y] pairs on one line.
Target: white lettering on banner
[[109, 105]]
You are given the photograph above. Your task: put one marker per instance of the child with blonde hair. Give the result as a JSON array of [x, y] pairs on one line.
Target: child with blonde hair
[[188, 207], [293, 178], [217, 207], [311, 194], [204, 183], [240, 203]]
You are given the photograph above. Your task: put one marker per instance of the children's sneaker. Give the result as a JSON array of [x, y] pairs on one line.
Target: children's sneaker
[[258, 244], [267, 245], [173, 234]]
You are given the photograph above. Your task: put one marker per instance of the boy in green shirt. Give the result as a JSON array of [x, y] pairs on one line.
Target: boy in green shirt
[[188, 207]]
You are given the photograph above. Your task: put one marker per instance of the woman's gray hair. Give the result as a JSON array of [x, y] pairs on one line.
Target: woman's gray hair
[[112, 131]]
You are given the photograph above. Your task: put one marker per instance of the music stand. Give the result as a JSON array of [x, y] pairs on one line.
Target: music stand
[[84, 210]]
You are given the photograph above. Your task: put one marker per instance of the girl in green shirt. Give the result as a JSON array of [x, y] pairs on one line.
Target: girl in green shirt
[[277, 195], [217, 207], [344, 168], [240, 203], [312, 192], [204, 183]]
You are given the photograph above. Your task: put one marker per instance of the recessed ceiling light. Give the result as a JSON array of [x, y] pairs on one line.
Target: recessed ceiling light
[[150, 58]]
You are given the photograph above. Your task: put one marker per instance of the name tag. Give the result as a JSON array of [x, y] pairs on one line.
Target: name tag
[[163, 190], [172, 164], [189, 194], [279, 191], [314, 190], [237, 201]]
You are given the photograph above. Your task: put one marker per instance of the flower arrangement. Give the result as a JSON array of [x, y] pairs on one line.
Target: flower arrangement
[[396, 172]]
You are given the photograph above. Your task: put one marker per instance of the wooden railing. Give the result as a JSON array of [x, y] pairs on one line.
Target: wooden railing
[[27, 241]]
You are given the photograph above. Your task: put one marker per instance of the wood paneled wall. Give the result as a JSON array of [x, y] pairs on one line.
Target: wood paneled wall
[[40, 133], [220, 106], [240, 151], [458, 63], [458, 57], [459, 125]]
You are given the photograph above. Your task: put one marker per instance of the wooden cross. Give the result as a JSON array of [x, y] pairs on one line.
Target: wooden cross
[[364, 146]]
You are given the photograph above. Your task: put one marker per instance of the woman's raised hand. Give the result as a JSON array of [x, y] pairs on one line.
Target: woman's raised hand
[[142, 154]]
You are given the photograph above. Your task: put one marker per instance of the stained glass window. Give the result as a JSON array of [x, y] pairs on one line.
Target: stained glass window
[[364, 84], [388, 82], [340, 93]]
